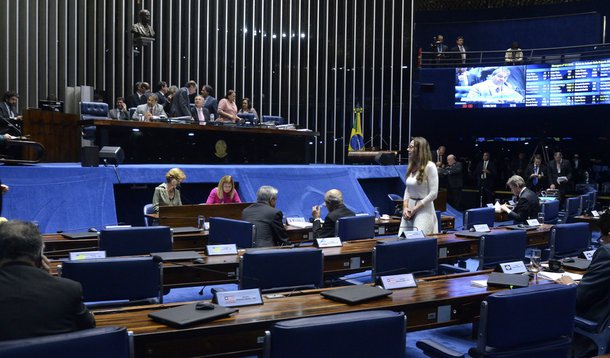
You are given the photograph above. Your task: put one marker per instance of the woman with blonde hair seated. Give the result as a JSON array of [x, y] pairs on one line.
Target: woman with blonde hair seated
[[168, 193], [224, 193]]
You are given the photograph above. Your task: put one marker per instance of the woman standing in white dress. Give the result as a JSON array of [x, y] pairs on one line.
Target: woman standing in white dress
[[422, 188]]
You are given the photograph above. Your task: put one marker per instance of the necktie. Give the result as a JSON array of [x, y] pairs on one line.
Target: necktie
[[536, 177], [484, 176]]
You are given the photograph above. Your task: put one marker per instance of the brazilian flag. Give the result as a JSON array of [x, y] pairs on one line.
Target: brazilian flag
[[356, 140]]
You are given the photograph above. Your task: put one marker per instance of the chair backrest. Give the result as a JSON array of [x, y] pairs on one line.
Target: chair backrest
[[132, 111], [148, 209], [93, 110], [416, 256], [281, 269], [551, 211], [248, 117], [572, 207], [93, 343], [355, 334], [438, 220], [136, 240], [540, 320], [355, 227], [569, 240], [584, 203], [230, 231], [479, 216], [592, 199], [501, 246], [130, 278], [276, 119]]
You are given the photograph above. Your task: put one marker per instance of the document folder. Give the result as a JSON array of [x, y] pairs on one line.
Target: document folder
[[188, 315], [356, 294]]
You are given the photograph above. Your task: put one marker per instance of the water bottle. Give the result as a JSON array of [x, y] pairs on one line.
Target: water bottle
[[211, 117]]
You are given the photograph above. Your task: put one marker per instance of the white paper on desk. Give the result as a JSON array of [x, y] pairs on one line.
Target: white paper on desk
[[562, 179], [556, 275], [497, 207], [479, 283], [301, 225]]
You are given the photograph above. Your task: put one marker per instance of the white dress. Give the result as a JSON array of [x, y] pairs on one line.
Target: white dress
[[425, 218]]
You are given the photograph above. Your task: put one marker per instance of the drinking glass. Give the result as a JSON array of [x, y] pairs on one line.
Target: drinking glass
[[535, 262], [541, 218]]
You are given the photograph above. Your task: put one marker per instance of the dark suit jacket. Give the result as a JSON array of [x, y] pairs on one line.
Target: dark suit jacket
[[4, 110], [180, 104], [566, 171], [135, 100], [328, 229], [206, 114], [435, 157], [454, 175], [34, 303], [528, 206], [490, 177], [592, 292], [270, 229], [161, 99], [542, 181], [211, 103], [457, 55]]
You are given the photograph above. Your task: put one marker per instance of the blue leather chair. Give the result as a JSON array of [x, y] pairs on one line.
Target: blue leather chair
[[501, 246], [551, 211], [569, 240], [584, 203], [136, 240], [92, 110], [132, 278], [148, 209], [592, 200], [281, 269], [572, 209], [479, 216], [276, 119], [230, 231], [92, 343], [355, 227], [356, 334], [598, 332], [508, 328], [248, 117], [416, 256], [438, 220]]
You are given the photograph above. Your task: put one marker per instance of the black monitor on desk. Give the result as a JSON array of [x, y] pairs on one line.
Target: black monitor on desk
[[52, 106]]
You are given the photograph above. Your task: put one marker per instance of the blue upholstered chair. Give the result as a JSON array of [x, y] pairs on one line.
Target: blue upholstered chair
[[248, 117], [551, 211], [276, 119], [479, 216], [92, 110], [356, 334], [113, 279], [592, 200], [92, 343], [572, 209], [508, 328], [136, 240], [438, 220], [501, 246], [569, 240], [355, 227], [416, 256], [148, 209], [598, 332], [281, 269], [584, 203], [230, 231]]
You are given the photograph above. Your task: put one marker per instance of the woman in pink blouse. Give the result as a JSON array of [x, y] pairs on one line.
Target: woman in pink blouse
[[227, 109], [224, 193]]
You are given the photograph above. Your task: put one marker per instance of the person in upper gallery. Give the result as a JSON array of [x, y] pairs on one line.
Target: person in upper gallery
[[168, 193], [439, 158], [181, 106], [460, 51], [143, 28], [560, 174], [421, 190], [495, 89], [528, 204], [266, 218], [8, 108], [592, 292], [519, 164], [455, 181], [485, 173], [147, 112], [120, 110], [227, 109], [514, 55], [534, 174], [333, 200], [224, 193], [33, 302], [209, 101], [246, 107], [161, 93], [140, 96], [439, 49], [199, 113]]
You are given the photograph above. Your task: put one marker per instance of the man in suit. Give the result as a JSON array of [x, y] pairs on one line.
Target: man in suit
[[528, 204], [209, 101], [455, 181], [149, 110], [181, 105], [199, 113], [34, 303], [8, 108], [439, 49], [140, 96], [268, 220], [534, 174], [459, 51], [438, 157], [560, 175], [496, 89], [162, 89], [333, 199], [484, 174], [120, 111]]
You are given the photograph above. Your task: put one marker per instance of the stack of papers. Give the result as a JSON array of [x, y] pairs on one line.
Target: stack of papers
[[556, 275], [301, 224]]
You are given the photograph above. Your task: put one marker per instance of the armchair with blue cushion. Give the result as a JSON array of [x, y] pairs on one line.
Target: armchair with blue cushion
[[355, 227], [569, 240], [148, 209], [551, 211], [136, 240], [572, 210], [103, 342], [501, 246], [598, 332], [281, 269], [277, 120], [92, 110], [535, 321], [354, 334], [230, 231], [479, 216], [584, 204]]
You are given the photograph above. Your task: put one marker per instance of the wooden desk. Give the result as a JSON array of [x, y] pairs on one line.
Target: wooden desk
[[239, 333], [187, 215], [59, 133], [593, 221]]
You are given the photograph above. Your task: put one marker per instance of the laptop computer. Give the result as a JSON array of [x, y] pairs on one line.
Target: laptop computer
[[468, 233], [576, 263], [499, 279], [177, 255], [522, 227], [186, 315], [185, 230], [80, 235], [356, 294]]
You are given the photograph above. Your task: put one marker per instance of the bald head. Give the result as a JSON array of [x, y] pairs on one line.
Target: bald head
[[451, 159], [333, 198]]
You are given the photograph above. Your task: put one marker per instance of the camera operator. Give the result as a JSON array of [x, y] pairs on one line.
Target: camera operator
[[439, 49]]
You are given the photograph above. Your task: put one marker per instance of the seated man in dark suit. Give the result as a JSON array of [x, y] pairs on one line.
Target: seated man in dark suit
[[333, 199], [528, 204], [199, 113], [270, 229], [34, 303]]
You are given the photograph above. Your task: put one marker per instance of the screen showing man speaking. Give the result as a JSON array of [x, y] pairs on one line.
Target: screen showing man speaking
[[482, 87]]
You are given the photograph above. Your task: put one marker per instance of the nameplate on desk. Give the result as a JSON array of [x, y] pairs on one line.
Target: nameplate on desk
[[595, 213], [239, 298], [515, 267], [217, 250], [481, 228], [109, 227], [329, 242], [533, 222], [87, 255], [588, 254], [413, 234], [398, 281]]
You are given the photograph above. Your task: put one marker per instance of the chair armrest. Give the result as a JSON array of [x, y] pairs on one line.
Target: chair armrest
[[585, 324], [446, 269], [435, 349]]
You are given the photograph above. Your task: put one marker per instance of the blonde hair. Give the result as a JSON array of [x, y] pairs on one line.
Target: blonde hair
[[175, 173], [418, 162], [220, 191]]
